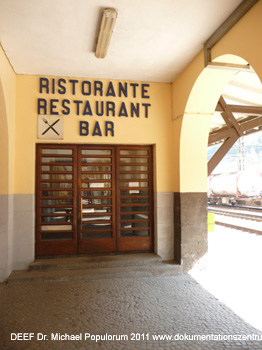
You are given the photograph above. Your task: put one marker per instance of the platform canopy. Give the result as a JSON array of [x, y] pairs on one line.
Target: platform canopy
[[238, 113]]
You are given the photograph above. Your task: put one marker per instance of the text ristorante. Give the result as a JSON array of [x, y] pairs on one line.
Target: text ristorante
[[95, 88], [91, 106]]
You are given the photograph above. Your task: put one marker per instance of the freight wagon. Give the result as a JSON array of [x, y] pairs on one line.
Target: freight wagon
[[242, 187]]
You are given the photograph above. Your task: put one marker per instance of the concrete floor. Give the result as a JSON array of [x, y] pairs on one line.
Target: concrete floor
[[139, 302], [234, 270], [138, 307]]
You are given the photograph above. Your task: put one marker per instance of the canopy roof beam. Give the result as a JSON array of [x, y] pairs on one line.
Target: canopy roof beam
[[221, 152], [229, 134]]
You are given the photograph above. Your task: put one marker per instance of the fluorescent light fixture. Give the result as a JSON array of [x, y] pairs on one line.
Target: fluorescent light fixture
[[106, 29]]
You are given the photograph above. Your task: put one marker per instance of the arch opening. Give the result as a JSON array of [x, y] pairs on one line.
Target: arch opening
[[234, 254], [199, 111]]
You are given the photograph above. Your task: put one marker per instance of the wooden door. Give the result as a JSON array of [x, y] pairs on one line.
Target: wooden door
[[92, 199], [56, 200], [134, 198], [96, 188]]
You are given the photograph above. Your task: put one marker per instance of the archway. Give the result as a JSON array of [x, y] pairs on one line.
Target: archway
[[191, 237], [236, 253]]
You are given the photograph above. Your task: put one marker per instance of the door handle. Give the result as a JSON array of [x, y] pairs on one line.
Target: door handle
[[81, 208]]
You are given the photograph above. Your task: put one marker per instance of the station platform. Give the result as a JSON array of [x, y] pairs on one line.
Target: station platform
[[141, 309]]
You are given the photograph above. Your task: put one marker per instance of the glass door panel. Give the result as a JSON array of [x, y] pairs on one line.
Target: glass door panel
[[97, 199], [56, 217], [134, 198]]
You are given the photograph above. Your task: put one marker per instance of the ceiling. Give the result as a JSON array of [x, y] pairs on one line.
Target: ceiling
[[152, 41]]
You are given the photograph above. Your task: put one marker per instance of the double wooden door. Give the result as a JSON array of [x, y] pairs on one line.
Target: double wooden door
[[92, 199]]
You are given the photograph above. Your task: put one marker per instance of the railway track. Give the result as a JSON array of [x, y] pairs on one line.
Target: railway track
[[245, 219]]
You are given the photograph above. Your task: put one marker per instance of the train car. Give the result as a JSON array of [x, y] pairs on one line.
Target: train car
[[235, 188]]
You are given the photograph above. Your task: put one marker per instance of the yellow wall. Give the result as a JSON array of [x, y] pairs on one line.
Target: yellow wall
[[244, 39], [195, 128], [156, 129], [181, 89], [7, 119], [204, 87]]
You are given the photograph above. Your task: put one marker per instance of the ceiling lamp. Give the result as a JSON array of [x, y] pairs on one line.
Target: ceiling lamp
[[106, 29]]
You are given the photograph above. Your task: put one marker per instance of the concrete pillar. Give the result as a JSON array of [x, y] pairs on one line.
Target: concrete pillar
[[190, 228]]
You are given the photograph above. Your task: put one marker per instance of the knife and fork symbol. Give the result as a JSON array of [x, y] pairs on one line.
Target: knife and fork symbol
[[50, 126]]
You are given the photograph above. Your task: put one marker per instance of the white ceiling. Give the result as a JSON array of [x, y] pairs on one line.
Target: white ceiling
[[153, 40]]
